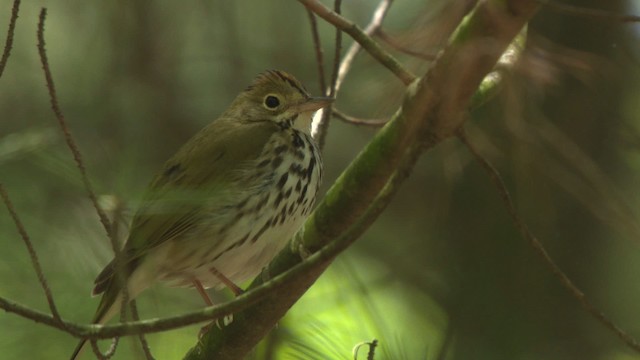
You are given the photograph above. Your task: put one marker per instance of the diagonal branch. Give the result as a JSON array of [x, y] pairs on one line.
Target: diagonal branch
[[535, 243], [65, 128], [317, 46], [322, 127], [32, 254], [9, 41], [341, 68]]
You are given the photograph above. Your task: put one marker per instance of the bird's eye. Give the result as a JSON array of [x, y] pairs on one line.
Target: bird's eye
[[271, 102]]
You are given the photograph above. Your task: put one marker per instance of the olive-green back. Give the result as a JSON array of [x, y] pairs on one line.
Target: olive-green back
[[206, 166]]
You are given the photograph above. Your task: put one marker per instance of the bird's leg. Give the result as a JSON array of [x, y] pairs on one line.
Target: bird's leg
[[229, 284], [198, 285], [237, 291]]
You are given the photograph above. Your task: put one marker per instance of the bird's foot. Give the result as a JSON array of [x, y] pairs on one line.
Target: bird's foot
[[219, 323]]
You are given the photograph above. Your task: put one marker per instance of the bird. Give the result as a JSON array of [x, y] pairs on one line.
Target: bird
[[228, 200]]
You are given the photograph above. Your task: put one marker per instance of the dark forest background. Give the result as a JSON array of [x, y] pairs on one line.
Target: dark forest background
[[443, 268]]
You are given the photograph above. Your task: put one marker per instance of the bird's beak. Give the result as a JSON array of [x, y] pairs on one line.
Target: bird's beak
[[314, 103]]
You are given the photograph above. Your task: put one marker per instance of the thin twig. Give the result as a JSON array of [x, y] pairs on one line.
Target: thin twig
[[336, 52], [318, 51], [354, 49], [143, 341], [389, 40], [323, 125], [108, 226], [568, 284], [370, 45], [372, 349], [107, 354], [589, 13], [9, 41], [32, 254], [65, 128], [358, 121]]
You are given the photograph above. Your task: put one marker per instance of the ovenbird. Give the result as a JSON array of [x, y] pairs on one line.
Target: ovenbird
[[227, 201]]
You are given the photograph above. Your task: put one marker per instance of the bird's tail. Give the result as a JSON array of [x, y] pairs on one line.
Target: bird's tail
[[110, 304]]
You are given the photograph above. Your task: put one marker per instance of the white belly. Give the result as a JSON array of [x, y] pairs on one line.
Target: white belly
[[241, 246]]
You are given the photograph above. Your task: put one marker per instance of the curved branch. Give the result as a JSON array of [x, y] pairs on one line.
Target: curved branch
[[358, 121]]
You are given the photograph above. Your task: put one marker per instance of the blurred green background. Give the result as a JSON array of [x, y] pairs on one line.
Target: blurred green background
[[443, 274]]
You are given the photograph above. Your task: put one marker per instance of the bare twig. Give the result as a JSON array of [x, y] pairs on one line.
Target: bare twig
[[589, 13], [143, 341], [32, 254], [336, 53], [323, 124], [497, 181], [363, 39], [318, 51], [337, 7], [108, 226], [65, 129], [107, 354], [372, 349], [358, 121], [354, 49], [9, 41], [389, 40]]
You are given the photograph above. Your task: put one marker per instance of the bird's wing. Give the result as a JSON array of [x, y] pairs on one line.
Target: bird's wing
[[205, 165]]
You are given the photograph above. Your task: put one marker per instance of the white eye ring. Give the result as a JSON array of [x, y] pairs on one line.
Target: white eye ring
[[272, 102]]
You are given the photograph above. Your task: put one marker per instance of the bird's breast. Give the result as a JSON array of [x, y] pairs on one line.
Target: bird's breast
[[277, 192]]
